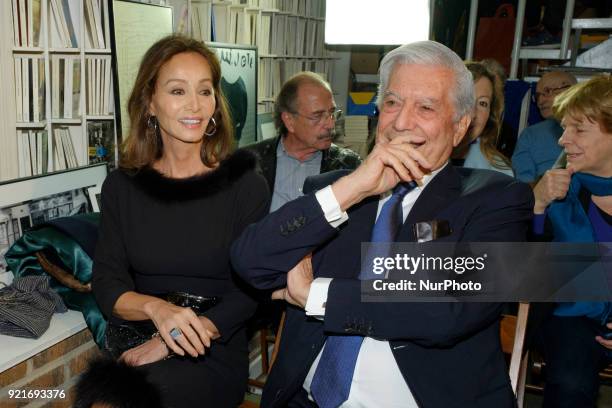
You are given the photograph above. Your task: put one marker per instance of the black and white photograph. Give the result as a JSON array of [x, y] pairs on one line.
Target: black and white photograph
[[16, 220]]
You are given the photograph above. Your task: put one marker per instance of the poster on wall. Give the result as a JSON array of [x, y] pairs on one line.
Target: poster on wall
[[136, 27], [239, 85]]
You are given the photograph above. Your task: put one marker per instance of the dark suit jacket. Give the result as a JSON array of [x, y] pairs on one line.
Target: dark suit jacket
[[448, 353], [334, 158]]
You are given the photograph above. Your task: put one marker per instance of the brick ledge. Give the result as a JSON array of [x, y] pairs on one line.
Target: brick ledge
[[14, 350]]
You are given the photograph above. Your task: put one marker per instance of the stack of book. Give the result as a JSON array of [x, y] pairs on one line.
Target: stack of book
[[98, 77], [233, 23], [290, 6], [94, 27], [263, 41], [29, 88], [253, 26], [26, 23], [322, 67], [55, 85], [319, 42], [268, 4], [33, 152], [356, 134], [65, 86], [64, 153], [315, 8], [60, 9], [311, 36], [278, 35], [200, 20], [270, 80], [222, 23], [239, 26]]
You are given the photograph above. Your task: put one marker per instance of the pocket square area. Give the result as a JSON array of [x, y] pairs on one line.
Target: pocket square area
[[429, 230]]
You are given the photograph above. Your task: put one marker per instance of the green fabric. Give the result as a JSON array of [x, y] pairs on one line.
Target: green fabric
[[67, 254]]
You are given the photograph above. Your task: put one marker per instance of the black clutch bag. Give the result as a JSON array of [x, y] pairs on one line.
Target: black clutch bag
[[120, 337]]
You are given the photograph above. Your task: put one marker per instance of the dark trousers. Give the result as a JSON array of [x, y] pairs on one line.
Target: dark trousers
[[573, 361]]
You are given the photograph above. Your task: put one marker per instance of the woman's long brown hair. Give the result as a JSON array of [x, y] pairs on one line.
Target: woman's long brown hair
[[143, 145]]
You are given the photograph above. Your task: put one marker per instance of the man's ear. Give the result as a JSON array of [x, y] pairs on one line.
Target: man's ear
[[461, 128], [288, 120]]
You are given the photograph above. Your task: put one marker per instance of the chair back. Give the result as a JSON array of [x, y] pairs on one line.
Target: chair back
[[512, 333]]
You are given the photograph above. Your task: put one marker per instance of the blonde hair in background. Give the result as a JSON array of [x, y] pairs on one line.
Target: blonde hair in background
[[500, 74], [592, 98], [490, 133]]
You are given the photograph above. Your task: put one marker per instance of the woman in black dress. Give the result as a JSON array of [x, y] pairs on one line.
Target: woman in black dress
[[169, 215]]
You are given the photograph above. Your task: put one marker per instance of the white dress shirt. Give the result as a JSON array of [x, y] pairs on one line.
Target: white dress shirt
[[377, 380]]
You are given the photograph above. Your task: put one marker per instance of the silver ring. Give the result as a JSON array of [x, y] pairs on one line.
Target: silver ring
[[174, 333]]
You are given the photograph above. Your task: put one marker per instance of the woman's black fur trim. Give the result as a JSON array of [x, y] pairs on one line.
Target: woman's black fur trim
[[116, 385], [172, 190]]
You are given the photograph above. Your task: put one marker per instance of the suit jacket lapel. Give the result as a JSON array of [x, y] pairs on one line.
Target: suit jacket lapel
[[437, 195]]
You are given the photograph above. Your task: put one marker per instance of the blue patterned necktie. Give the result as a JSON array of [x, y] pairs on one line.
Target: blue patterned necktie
[[332, 379]]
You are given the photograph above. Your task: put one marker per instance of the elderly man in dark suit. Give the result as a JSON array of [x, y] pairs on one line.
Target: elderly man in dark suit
[[305, 117], [337, 350]]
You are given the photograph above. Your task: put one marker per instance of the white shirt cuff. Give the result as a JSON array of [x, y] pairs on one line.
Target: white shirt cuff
[[315, 304], [331, 209]]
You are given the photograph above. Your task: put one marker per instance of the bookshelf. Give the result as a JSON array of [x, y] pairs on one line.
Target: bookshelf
[[60, 61], [289, 35]]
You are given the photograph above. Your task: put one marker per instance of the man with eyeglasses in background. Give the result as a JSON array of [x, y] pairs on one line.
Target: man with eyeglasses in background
[[537, 148], [305, 116]]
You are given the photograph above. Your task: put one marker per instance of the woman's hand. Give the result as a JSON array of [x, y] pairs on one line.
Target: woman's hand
[[606, 343], [552, 186], [210, 327], [192, 337], [147, 353]]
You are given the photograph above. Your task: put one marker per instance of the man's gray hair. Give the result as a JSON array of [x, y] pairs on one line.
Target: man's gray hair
[[433, 54]]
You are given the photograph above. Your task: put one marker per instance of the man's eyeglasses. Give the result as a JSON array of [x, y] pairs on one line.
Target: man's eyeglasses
[[320, 117], [551, 91]]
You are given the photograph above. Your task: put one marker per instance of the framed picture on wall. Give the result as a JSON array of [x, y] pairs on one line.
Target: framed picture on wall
[[135, 27], [239, 84], [28, 202]]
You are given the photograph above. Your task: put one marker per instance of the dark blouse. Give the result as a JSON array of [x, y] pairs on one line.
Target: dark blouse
[[159, 235]]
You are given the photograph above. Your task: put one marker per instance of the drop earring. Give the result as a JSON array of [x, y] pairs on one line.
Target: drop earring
[[214, 129], [152, 123]]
